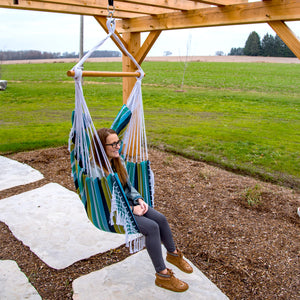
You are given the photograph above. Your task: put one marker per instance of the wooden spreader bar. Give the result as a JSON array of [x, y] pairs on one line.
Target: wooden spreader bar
[[105, 74]]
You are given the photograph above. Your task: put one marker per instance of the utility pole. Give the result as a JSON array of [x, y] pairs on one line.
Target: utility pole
[[81, 41], [81, 38]]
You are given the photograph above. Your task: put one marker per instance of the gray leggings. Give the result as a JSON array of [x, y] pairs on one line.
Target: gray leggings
[[154, 226]]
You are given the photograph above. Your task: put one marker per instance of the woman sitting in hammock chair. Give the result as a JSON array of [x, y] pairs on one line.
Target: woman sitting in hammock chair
[[152, 224]]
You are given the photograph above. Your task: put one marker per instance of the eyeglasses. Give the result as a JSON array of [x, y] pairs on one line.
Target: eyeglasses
[[115, 144]]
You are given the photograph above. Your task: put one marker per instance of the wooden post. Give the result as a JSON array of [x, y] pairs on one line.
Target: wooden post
[[287, 36], [133, 41]]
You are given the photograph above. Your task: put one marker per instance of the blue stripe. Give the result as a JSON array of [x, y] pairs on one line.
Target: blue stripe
[[105, 207], [94, 205], [122, 119], [100, 201]]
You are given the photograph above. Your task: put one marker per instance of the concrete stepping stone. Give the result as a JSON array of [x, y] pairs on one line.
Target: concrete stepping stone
[[133, 278], [51, 220], [14, 284], [14, 173]]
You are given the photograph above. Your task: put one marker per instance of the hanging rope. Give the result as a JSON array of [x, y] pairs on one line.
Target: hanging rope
[[111, 25]]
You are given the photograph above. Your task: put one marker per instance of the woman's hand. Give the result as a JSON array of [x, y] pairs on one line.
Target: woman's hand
[[140, 209]]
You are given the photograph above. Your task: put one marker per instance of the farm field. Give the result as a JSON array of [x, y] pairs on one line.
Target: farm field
[[241, 116], [215, 142]]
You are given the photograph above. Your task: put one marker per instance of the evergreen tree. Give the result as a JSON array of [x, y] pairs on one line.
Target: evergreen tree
[[268, 45], [279, 46], [236, 51], [253, 45], [282, 50]]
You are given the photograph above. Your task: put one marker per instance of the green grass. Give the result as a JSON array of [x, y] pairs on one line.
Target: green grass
[[252, 196], [241, 116]]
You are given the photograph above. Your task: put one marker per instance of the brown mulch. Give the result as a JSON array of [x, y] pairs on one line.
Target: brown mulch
[[248, 251]]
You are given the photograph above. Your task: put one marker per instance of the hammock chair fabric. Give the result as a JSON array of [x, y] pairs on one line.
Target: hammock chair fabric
[[102, 195]]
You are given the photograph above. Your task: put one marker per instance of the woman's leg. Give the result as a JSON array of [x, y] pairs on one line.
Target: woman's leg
[[164, 228], [156, 229], [174, 256], [150, 230]]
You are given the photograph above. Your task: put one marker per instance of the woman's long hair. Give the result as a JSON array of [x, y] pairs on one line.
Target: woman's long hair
[[103, 133]]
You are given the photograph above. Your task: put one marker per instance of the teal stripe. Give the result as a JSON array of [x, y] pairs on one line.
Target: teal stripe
[[81, 185], [122, 120], [140, 179], [73, 162], [149, 184], [144, 181], [100, 205], [130, 166], [94, 205], [106, 184]]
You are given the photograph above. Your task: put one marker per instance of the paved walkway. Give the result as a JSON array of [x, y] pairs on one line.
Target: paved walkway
[[52, 222]]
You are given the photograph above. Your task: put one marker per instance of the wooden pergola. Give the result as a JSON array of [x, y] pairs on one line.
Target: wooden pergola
[[153, 16]]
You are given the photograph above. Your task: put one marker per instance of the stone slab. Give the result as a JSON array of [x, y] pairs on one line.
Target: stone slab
[[51, 220], [14, 285], [14, 173], [133, 278]]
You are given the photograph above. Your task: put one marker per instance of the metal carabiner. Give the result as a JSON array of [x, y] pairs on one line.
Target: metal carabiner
[[110, 12]]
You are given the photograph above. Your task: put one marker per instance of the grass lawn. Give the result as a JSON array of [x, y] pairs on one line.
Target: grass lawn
[[241, 116]]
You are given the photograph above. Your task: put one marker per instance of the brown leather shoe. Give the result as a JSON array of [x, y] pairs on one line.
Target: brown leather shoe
[[179, 261], [170, 282]]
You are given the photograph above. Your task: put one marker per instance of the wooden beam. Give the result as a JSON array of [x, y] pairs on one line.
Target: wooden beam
[[174, 4], [141, 52], [104, 74], [62, 7], [287, 36], [221, 2], [248, 13], [133, 8], [147, 45], [119, 6], [102, 22]]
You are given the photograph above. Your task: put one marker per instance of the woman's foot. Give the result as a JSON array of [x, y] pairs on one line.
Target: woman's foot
[[170, 282], [177, 259]]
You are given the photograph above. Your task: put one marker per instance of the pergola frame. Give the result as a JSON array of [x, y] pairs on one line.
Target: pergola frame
[[154, 16]]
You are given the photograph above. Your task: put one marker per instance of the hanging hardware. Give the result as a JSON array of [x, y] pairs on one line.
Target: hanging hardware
[[110, 12]]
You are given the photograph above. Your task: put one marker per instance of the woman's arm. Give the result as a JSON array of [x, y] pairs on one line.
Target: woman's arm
[[135, 199], [132, 194], [141, 208]]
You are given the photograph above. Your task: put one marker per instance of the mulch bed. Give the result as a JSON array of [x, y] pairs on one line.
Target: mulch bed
[[248, 251]]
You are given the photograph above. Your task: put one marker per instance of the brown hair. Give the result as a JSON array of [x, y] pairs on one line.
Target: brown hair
[[103, 133]]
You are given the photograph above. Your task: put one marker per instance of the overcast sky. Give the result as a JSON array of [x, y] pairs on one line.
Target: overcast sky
[[52, 32]]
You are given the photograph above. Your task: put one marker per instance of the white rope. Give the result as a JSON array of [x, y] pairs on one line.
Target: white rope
[[83, 125], [111, 26], [134, 103]]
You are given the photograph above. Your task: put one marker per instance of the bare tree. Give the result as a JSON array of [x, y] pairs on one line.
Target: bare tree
[[188, 46]]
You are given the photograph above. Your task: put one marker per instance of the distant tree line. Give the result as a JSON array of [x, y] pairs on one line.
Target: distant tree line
[[268, 46], [35, 54]]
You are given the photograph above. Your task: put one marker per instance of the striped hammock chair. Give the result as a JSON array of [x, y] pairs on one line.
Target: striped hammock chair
[[103, 196]]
